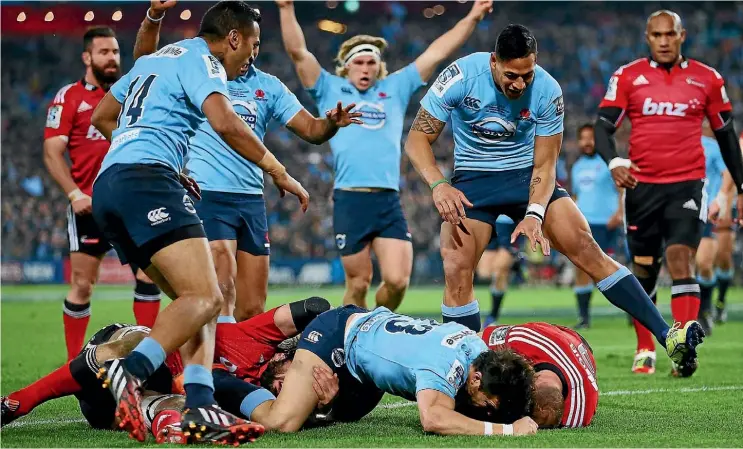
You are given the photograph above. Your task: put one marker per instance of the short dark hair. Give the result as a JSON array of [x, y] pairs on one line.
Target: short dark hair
[[514, 42], [509, 376], [584, 126], [96, 31], [226, 16]]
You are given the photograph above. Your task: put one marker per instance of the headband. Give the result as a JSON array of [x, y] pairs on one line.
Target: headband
[[362, 50]]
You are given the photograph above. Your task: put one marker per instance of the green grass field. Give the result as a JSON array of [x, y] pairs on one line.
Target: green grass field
[[652, 411]]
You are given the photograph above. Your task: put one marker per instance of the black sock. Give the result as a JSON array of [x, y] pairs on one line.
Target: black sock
[[84, 368], [306, 310], [583, 297], [497, 297], [706, 287], [723, 282]]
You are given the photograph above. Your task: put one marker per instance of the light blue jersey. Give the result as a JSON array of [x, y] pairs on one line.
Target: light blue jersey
[[596, 195], [257, 97], [504, 219], [715, 166], [161, 99], [403, 355], [368, 155], [491, 132]]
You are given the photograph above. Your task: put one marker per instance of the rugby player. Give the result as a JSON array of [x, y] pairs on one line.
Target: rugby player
[[600, 202], [232, 208], [496, 262], [149, 116], [69, 129], [507, 117], [565, 389], [367, 215], [666, 97]]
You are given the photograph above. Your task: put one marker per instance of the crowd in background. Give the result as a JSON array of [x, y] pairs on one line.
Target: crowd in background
[[580, 44]]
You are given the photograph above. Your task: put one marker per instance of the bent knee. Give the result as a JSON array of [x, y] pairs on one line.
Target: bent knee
[[359, 283], [396, 282], [82, 286]]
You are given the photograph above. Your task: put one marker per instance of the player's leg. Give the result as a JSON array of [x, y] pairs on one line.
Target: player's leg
[[146, 304], [76, 315], [358, 272], [583, 289], [461, 248], [162, 416], [251, 284], [501, 271], [224, 254], [705, 264], [724, 271], [395, 259]]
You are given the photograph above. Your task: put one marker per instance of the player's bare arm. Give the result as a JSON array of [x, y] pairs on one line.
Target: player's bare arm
[[106, 115], [730, 150], [604, 129], [238, 135], [424, 132], [317, 130], [446, 44], [54, 159], [308, 69], [541, 188], [617, 219], [148, 35], [438, 416]]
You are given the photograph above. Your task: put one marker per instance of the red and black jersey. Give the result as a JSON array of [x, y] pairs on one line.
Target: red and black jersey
[[562, 351], [666, 110], [69, 116]]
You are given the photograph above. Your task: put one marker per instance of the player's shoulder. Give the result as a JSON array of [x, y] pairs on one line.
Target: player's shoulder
[[473, 65], [634, 67], [545, 82], [68, 93], [269, 81], [702, 69]]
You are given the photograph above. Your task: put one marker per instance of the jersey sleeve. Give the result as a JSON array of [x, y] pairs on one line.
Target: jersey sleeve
[[286, 105], [428, 380], [407, 80], [322, 85], [551, 113], [120, 88], [717, 102], [262, 327], [61, 114], [202, 76], [617, 94], [446, 93]]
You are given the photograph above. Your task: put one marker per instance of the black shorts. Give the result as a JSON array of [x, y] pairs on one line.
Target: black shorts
[[85, 236], [664, 214], [361, 217]]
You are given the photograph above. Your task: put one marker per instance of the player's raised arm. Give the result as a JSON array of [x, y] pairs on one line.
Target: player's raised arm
[[438, 416], [308, 69], [148, 35], [317, 130], [449, 42]]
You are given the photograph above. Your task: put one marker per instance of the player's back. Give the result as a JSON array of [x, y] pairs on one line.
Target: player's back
[[593, 186], [715, 166], [403, 355], [161, 104]]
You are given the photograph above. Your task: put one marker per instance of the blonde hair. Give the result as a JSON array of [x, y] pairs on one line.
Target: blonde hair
[[379, 42]]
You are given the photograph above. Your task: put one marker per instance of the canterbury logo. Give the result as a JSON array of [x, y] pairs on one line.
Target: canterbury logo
[[157, 216], [470, 102]]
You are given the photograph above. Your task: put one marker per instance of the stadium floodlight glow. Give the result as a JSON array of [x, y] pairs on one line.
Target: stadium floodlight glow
[[21, 17], [49, 17], [89, 16], [352, 5], [331, 4], [428, 13], [331, 26], [186, 14], [439, 10], [117, 15]]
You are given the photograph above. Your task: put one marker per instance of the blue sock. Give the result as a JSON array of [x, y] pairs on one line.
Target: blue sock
[[199, 386], [145, 358], [706, 286], [226, 319], [624, 291], [466, 315], [497, 297], [237, 396], [583, 295]]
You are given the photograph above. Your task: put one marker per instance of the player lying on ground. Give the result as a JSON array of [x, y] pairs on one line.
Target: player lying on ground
[[565, 390], [251, 347], [507, 116], [439, 366]]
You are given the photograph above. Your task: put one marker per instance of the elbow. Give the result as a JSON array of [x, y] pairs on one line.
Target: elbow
[[431, 421], [282, 425]]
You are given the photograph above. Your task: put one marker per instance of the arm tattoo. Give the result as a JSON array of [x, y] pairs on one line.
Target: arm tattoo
[[533, 186], [427, 123]]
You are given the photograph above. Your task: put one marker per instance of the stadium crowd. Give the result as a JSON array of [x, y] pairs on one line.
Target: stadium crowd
[[580, 44]]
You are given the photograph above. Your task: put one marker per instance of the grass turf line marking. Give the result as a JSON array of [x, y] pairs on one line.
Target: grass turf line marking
[[394, 405]]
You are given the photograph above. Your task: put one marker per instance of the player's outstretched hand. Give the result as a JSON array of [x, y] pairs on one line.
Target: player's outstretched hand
[[82, 205], [525, 426], [450, 203], [623, 177], [325, 385], [342, 117], [713, 212], [481, 8], [190, 185], [158, 7], [532, 229], [285, 183]]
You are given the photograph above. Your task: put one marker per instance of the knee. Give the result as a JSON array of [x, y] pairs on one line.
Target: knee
[[244, 311], [82, 286], [396, 282], [457, 267], [359, 284], [213, 303], [679, 260]]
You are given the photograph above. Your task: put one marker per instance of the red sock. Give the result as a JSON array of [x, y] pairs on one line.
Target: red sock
[[165, 418], [76, 317], [685, 300], [645, 338], [54, 385], [146, 312]]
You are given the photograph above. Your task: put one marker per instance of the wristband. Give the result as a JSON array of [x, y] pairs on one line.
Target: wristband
[[508, 429], [619, 162], [537, 211], [149, 17], [439, 182], [488, 429], [271, 165], [75, 195]]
